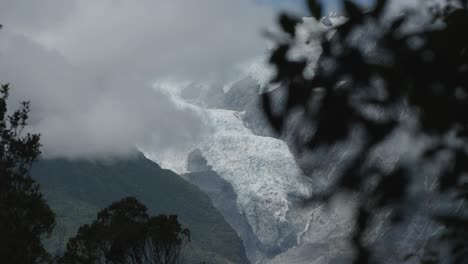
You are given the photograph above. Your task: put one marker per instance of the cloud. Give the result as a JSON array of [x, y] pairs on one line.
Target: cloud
[[34, 15], [161, 37], [88, 66]]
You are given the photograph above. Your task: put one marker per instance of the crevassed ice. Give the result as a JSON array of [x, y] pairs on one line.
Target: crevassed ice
[[261, 170]]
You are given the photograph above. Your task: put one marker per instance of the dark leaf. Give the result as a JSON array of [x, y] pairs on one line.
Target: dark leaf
[[392, 188], [353, 12], [397, 23], [288, 23], [275, 121], [315, 8], [379, 8]]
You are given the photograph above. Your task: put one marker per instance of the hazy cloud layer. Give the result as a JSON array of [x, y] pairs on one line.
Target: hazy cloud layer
[[87, 66]]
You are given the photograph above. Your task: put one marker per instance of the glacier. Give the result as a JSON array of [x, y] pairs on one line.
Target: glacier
[[260, 168]]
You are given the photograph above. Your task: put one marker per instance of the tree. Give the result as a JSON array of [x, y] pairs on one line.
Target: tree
[[125, 233], [167, 238], [374, 67], [25, 218]]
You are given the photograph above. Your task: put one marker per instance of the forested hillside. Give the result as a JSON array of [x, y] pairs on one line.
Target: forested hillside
[[76, 190]]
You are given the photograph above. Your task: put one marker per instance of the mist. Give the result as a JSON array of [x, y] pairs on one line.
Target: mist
[[88, 67]]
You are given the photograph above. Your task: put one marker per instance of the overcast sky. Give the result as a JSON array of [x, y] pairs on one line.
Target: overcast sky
[[87, 66]]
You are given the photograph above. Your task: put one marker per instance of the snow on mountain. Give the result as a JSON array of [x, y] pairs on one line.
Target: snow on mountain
[[261, 170]]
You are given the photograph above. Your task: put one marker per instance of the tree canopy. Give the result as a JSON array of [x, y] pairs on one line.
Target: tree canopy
[[125, 233], [379, 74], [25, 218]]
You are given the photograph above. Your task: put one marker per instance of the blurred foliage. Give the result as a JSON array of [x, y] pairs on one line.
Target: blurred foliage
[[375, 65]]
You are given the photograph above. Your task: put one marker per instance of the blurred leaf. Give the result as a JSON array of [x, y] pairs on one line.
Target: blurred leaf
[[453, 173], [425, 69], [315, 8], [397, 23], [278, 56], [275, 121], [379, 8], [353, 12], [392, 188], [288, 24], [408, 256]]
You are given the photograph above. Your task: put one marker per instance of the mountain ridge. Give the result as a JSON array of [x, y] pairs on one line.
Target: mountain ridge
[[76, 189]]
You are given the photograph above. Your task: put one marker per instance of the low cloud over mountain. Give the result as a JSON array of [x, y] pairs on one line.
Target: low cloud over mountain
[[88, 66]]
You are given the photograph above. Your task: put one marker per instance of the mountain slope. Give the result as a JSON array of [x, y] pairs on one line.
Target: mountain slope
[[76, 190], [224, 199]]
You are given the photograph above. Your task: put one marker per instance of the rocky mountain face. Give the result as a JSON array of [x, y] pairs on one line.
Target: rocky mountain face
[[224, 199], [78, 189]]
